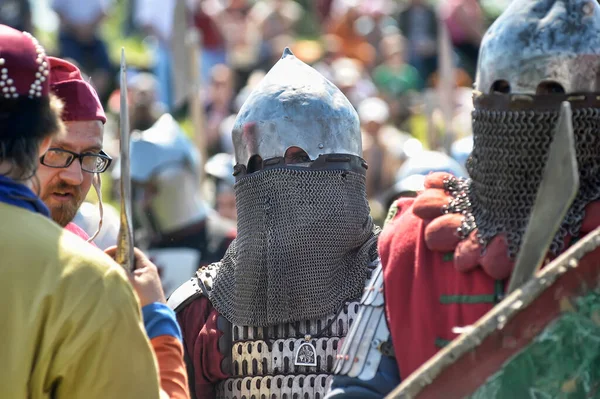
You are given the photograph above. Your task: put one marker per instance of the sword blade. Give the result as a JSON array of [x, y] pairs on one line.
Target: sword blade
[[124, 255], [557, 191]]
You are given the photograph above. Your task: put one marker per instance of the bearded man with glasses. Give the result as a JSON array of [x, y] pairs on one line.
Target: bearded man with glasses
[[67, 170], [73, 162]]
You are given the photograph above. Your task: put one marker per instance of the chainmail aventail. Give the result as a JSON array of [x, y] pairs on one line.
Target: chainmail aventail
[[506, 167], [305, 239]]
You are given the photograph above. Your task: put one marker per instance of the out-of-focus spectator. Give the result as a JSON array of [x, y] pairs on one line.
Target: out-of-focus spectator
[[308, 51], [349, 75], [213, 41], [461, 78], [464, 20], [353, 44], [16, 14], [462, 106], [275, 18], [275, 50], [144, 107], [322, 9], [241, 33], [395, 77], [427, 162], [419, 25], [155, 18], [374, 114], [375, 22], [79, 39], [219, 105], [332, 45]]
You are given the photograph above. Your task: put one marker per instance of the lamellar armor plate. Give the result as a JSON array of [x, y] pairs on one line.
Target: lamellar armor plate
[[271, 361], [266, 360]]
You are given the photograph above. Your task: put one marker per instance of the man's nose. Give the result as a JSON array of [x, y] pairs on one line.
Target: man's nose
[[72, 175]]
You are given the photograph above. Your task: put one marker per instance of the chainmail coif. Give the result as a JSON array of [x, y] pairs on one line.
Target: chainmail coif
[[506, 167], [305, 239]]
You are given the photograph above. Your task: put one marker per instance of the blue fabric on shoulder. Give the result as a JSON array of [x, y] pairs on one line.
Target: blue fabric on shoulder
[[159, 320], [17, 194]]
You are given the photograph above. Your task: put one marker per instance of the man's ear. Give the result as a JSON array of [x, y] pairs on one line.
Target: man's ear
[[45, 145]]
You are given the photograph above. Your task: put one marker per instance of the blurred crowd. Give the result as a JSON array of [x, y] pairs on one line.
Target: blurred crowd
[[385, 55]]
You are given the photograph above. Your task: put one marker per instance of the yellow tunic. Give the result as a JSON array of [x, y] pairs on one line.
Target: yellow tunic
[[71, 325]]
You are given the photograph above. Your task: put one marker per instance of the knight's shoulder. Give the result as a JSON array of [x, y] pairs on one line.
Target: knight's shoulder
[[197, 286]]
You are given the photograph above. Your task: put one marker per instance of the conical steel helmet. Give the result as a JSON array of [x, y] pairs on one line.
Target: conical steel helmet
[[295, 106], [541, 47], [535, 56]]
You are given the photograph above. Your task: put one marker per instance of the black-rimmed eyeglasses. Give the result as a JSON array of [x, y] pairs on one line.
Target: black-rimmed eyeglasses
[[90, 162]]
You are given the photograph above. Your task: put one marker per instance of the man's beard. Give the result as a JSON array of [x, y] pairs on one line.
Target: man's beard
[[143, 120], [63, 213]]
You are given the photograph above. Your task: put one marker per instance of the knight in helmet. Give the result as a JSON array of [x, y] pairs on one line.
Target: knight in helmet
[[267, 319], [178, 227], [448, 254]]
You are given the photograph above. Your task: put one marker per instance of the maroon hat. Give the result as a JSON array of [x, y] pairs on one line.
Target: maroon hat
[[81, 102], [23, 65]]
